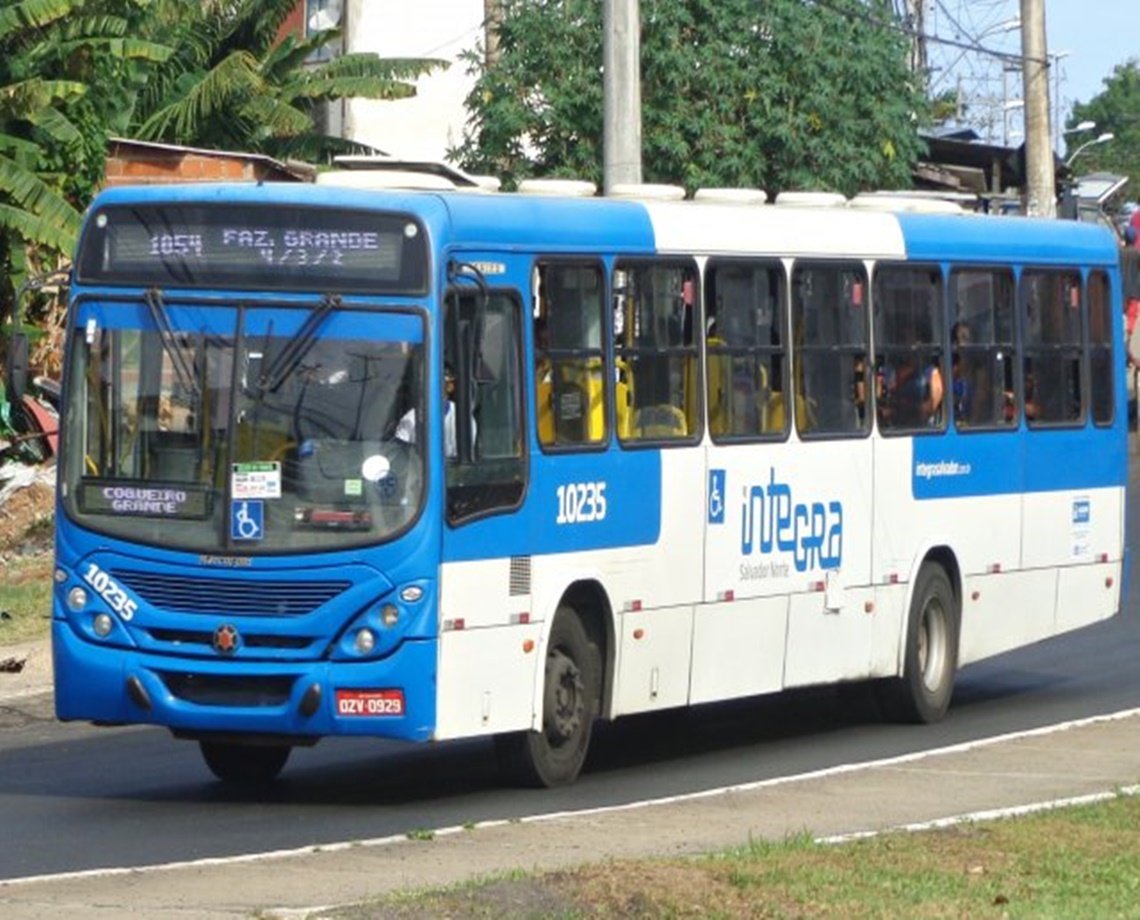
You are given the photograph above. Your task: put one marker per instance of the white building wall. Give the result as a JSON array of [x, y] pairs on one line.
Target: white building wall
[[424, 126]]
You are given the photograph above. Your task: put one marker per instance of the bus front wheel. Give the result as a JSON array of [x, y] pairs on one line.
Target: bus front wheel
[[554, 756], [923, 692], [244, 763]]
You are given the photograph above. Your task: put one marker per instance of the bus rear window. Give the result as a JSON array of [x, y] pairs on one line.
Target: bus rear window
[[253, 246]]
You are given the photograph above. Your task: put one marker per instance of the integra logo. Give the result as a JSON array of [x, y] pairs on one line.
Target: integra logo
[[771, 521]]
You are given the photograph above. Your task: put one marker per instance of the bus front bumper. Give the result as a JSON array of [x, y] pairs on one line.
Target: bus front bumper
[[393, 697]]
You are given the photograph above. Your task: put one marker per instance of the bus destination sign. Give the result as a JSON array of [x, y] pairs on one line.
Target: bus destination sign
[[254, 246]]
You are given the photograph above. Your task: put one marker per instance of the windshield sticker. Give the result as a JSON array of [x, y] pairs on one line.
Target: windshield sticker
[[144, 501], [256, 480], [353, 487], [247, 520]]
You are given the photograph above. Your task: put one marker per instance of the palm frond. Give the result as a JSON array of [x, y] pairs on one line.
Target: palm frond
[[365, 64], [56, 125], [350, 88], [34, 229], [20, 100], [33, 14], [23, 187], [18, 146], [276, 118], [101, 26], [232, 79], [255, 24], [123, 48]]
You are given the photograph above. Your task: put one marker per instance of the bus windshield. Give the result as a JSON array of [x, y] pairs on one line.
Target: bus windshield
[[251, 429]]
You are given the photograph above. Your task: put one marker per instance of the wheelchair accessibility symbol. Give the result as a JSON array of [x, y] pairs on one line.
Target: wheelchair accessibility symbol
[[247, 520], [716, 496]]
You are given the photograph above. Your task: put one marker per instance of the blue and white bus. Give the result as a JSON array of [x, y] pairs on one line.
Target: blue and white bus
[[432, 464]]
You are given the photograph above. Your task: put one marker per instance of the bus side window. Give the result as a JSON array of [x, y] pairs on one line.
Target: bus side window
[[1100, 348], [569, 354], [982, 392], [909, 322], [489, 473], [745, 344], [1052, 304], [829, 329], [655, 316]]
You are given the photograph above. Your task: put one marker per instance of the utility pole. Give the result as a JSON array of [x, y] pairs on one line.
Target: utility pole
[[621, 60], [1040, 180], [492, 16], [914, 13]]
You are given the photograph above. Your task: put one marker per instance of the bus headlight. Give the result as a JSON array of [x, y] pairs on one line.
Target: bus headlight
[[389, 615], [102, 625], [364, 642], [76, 599]]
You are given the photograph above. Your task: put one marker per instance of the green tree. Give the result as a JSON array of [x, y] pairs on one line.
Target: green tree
[[232, 84], [52, 129], [1115, 109], [778, 95]]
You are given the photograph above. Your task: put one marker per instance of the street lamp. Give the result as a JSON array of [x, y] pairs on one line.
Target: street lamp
[[1007, 107], [1103, 139], [1083, 126]]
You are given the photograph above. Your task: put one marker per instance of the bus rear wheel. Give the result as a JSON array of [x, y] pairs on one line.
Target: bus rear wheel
[[572, 687], [244, 763], [923, 692]]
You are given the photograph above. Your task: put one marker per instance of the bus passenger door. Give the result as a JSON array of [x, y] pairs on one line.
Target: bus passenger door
[[487, 666]]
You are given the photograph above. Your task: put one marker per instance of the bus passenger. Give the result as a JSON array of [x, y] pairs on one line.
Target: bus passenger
[[911, 397], [406, 427], [960, 386]]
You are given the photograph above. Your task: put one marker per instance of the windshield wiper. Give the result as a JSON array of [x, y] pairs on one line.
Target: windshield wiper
[[298, 346], [166, 334]]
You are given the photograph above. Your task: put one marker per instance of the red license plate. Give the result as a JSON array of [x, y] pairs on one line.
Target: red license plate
[[370, 702]]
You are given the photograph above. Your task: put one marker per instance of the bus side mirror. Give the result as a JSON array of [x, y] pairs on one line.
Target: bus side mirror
[[16, 376]]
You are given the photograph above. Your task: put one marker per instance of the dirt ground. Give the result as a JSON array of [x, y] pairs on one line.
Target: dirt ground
[[26, 521]]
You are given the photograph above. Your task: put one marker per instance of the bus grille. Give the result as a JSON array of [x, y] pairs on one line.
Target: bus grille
[[211, 690], [206, 639], [230, 598]]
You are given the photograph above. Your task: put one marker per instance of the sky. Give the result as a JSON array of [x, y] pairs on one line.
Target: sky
[[1099, 34]]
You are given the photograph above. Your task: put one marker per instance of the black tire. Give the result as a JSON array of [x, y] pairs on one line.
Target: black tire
[[930, 660], [244, 763], [571, 690]]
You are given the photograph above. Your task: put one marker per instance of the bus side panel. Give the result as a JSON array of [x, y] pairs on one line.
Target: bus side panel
[[489, 592], [738, 648], [982, 525], [654, 660], [655, 635], [781, 518], [486, 678], [1071, 527], [828, 643], [1087, 594], [888, 631], [1004, 611]]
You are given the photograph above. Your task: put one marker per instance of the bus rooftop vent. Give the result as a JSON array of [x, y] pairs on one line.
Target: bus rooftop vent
[[876, 201], [388, 178], [576, 188], [646, 191], [732, 195], [811, 199]]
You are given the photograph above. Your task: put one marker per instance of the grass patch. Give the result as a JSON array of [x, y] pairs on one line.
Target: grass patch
[[25, 598], [1056, 865]]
